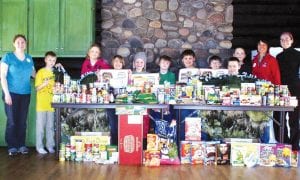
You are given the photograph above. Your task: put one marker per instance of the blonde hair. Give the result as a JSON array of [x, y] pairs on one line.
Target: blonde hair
[[93, 45]]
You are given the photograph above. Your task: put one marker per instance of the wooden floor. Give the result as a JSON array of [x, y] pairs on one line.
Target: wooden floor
[[36, 167]]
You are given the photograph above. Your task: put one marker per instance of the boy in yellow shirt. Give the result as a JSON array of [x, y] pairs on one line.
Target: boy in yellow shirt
[[44, 83]]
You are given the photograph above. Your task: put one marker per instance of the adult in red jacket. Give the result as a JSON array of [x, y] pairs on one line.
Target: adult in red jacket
[[93, 62], [264, 65]]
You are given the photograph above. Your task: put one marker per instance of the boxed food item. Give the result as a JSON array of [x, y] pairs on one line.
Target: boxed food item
[[152, 158], [112, 153], [255, 100], [295, 159], [283, 155], [130, 139], [245, 100], [152, 142], [251, 154], [237, 150], [223, 154], [211, 153], [192, 129], [185, 152], [198, 152], [267, 155], [235, 96], [248, 88]]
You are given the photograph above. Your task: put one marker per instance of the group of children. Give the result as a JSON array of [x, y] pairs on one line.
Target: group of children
[[17, 68], [93, 63]]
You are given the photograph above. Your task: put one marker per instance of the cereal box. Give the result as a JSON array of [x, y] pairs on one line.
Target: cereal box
[[211, 153], [223, 154], [152, 158], [267, 155], [152, 142], [251, 154], [283, 155], [237, 157], [112, 153], [295, 159], [185, 152], [245, 100], [198, 152], [192, 129]]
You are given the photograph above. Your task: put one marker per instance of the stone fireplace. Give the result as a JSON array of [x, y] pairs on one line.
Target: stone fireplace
[[164, 27]]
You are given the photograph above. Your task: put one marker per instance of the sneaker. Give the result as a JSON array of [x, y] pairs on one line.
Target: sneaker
[[23, 150], [12, 151], [51, 150], [41, 151]]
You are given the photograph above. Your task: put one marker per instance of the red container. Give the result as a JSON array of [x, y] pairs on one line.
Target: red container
[[130, 139]]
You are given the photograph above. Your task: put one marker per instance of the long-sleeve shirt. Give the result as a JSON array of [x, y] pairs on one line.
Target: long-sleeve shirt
[[267, 69], [88, 67], [289, 64]]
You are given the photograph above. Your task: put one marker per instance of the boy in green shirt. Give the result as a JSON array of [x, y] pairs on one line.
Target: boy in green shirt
[[164, 74]]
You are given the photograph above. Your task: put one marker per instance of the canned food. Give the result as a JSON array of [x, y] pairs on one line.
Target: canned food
[[61, 155]]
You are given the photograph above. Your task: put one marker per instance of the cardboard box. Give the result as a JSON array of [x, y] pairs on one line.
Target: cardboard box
[[192, 129], [223, 154], [152, 142], [267, 155], [211, 153], [198, 152], [283, 155], [130, 139], [185, 152], [295, 159], [152, 158]]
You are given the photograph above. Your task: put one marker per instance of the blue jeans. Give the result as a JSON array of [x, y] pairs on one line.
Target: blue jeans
[[113, 124], [16, 114]]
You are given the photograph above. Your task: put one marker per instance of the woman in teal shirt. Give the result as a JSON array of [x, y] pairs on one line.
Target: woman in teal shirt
[[16, 70]]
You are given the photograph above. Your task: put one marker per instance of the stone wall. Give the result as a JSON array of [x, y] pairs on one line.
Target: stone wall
[[164, 27]]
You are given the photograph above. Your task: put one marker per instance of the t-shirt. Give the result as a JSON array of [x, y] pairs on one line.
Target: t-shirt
[[169, 77], [18, 73], [44, 95]]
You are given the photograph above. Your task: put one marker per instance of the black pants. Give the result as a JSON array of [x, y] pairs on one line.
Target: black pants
[[113, 123], [16, 114], [294, 128]]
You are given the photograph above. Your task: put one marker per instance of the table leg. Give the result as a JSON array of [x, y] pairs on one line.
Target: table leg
[[281, 130], [58, 130], [178, 128]]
